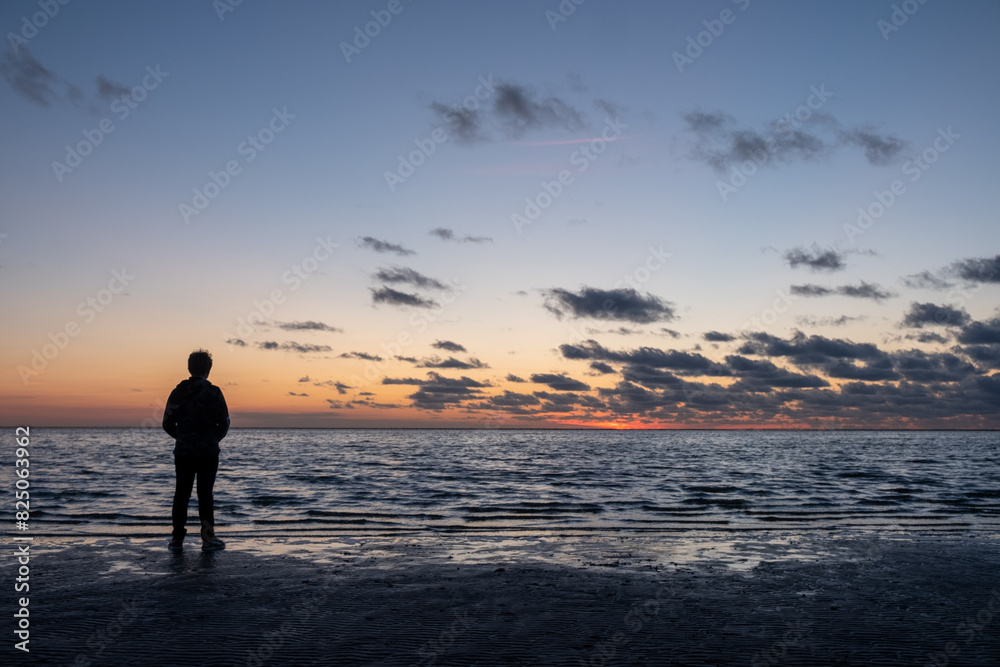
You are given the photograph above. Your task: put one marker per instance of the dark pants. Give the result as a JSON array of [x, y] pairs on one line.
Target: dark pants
[[205, 467]]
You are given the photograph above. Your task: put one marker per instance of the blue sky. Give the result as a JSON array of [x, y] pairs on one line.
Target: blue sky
[[681, 222]]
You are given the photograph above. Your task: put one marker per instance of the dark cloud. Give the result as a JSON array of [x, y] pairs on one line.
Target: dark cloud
[[400, 357], [931, 314], [614, 304], [518, 110], [828, 321], [397, 298], [383, 246], [862, 290], [304, 379], [978, 333], [717, 337], [879, 149], [866, 291], [29, 78], [925, 280], [978, 270], [514, 378], [466, 124], [446, 234], [438, 392], [360, 355], [722, 145], [108, 91], [763, 375], [292, 346], [559, 382], [685, 363], [307, 326], [39, 85], [449, 346], [400, 274], [816, 259], [927, 337], [452, 362], [810, 290], [601, 367], [238, 342], [342, 388]]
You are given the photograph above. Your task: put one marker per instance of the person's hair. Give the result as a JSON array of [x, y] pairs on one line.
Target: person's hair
[[199, 362]]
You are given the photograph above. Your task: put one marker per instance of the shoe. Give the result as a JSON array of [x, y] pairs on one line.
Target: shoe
[[177, 541], [215, 544], [209, 542]]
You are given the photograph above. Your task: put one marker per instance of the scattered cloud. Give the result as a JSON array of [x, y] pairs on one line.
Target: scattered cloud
[[514, 378], [863, 290], [238, 342], [817, 260], [921, 314], [451, 362], [438, 392], [978, 270], [448, 345], [614, 304], [926, 280], [446, 234], [517, 109], [399, 274], [383, 246], [559, 382], [360, 355], [37, 84], [721, 144], [718, 337], [396, 298], [292, 346], [307, 326]]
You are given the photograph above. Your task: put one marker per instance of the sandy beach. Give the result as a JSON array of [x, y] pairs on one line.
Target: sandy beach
[[467, 599]]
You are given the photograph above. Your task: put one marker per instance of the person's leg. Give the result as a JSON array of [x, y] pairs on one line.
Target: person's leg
[[208, 467], [182, 494]]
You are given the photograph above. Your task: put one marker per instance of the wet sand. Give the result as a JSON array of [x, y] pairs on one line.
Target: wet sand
[[675, 599]]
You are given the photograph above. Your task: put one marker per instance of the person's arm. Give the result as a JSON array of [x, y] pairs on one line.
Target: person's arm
[[222, 423], [170, 416]]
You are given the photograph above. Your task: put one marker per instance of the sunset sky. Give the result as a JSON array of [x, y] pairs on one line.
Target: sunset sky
[[503, 214]]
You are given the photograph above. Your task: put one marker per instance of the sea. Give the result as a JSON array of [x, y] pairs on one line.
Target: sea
[[109, 481]]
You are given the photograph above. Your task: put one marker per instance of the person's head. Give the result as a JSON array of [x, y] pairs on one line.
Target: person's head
[[199, 363]]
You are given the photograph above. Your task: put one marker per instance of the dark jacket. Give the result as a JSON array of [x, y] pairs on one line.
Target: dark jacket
[[197, 416]]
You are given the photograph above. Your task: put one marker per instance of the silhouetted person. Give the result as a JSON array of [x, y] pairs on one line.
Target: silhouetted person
[[197, 416]]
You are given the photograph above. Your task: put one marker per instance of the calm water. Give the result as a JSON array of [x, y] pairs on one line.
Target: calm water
[[102, 481]]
